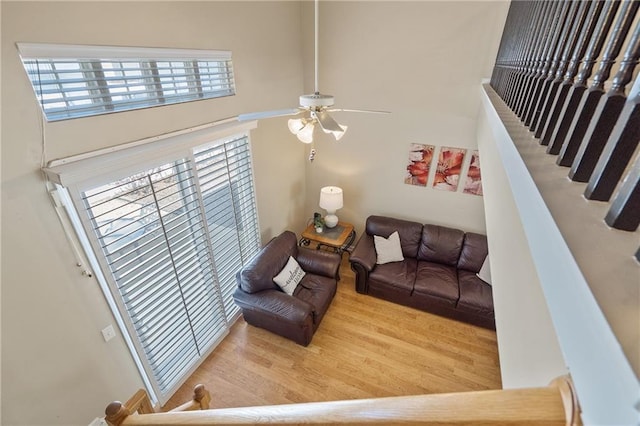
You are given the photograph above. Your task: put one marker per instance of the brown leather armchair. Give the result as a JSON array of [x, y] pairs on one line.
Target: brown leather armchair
[[265, 305]]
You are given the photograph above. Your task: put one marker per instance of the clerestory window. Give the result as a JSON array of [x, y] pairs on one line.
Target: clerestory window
[[73, 81]]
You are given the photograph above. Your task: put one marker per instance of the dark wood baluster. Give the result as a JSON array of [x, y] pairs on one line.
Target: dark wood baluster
[[518, 49], [528, 35], [617, 153], [532, 20], [580, 86], [505, 42], [562, 31], [606, 114], [588, 25], [589, 101], [537, 62], [624, 212], [570, 32], [554, 33], [512, 39]]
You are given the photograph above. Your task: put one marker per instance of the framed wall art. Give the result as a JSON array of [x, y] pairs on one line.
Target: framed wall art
[[473, 183], [420, 159], [449, 167]]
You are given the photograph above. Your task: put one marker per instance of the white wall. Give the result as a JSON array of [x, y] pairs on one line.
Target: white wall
[[420, 60], [530, 355], [561, 239], [56, 368], [423, 62]]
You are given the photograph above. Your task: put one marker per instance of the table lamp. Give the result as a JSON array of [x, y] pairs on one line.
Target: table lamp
[[331, 200]]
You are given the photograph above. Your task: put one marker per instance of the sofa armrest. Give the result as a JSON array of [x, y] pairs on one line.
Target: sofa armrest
[[364, 253], [319, 262], [363, 260], [275, 304]]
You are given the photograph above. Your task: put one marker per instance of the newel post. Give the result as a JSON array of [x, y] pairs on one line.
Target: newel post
[[200, 401], [116, 412], [201, 396]]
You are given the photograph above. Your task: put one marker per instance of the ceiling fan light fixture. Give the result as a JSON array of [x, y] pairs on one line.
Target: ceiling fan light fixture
[[316, 101], [339, 135], [316, 106], [305, 134], [295, 125]]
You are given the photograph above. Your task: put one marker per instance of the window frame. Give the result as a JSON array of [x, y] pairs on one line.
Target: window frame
[[153, 77], [74, 176]]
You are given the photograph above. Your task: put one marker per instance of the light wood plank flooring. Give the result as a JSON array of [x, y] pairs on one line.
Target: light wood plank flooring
[[364, 348]]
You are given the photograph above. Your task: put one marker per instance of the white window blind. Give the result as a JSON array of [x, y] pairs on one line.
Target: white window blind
[[79, 81], [169, 241], [227, 186]]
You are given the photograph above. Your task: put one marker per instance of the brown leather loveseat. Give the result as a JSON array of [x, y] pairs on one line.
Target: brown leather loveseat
[[265, 305], [437, 275]]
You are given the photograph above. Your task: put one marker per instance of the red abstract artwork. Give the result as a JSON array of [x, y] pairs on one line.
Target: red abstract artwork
[[420, 157], [473, 184], [449, 167]]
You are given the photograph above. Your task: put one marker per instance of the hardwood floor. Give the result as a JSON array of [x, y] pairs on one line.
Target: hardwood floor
[[364, 348]]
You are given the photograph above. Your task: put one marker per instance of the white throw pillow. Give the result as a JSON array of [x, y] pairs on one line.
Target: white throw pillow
[[485, 273], [388, 249], [290, 276]]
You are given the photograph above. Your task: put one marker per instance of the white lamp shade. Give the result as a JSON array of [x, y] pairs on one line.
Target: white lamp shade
[[338, 134], [306, 133], [295, 125], [331, 198]]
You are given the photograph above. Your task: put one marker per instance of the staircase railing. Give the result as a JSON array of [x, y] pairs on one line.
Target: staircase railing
[[552, 405], [140, 403], [592, 131]]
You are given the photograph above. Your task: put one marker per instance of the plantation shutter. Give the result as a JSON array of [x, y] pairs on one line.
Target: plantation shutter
[[226, 182]]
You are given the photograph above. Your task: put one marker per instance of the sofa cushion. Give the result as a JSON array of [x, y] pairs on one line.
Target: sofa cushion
[[388, 249], [474, 251], [437, 280], [318, 291], [258, 274], [290, 276], [400, 275], [485, 272], [440, 244], [475, 295], [410, 232]]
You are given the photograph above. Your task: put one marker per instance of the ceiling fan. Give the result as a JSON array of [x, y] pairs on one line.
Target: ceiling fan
[[315, 107]]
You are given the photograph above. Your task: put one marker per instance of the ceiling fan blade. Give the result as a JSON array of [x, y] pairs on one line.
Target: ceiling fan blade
[[359, 110], [268, 114], [327, 123]]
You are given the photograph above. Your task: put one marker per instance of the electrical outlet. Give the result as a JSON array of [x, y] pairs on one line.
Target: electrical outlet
[[98, 422], [108, 333]]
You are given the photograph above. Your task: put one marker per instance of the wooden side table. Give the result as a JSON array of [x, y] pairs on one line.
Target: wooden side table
[[338, 238]]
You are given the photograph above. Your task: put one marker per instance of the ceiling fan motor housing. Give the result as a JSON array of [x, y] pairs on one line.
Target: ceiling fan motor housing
[[316, 101]]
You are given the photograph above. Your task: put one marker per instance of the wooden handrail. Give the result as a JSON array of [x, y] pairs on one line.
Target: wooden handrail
[[117, 413], [553, 405]]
